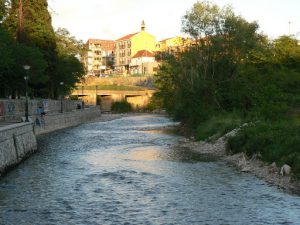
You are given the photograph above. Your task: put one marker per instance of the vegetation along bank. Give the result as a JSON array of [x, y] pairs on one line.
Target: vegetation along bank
[[233, 75]]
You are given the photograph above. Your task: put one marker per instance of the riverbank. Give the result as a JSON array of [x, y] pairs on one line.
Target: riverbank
[[268, 172]]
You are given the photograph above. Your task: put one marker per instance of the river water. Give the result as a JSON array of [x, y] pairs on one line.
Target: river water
[[126, 172]]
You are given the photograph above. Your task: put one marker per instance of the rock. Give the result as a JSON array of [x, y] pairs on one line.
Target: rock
[[242, 161], [246, 169], [285, 170], [273, 168], [273, 165]]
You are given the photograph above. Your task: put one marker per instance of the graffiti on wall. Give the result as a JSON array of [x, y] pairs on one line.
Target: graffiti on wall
[[11, 108]]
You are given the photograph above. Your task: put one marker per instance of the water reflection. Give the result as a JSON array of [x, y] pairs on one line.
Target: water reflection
[[128, 171]]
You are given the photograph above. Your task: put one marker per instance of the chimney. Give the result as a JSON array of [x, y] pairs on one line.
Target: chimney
[[143, 26]]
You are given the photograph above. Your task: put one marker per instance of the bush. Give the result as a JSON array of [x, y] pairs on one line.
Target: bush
[[121, 107], [276, 142], [217, 125]]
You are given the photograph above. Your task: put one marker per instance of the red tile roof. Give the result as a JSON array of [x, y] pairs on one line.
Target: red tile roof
[[127, 37], [107, 45], [143, 53]]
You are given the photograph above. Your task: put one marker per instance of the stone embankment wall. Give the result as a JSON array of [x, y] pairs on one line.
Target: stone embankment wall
[[14, 109], [57, 121], [17, 141]]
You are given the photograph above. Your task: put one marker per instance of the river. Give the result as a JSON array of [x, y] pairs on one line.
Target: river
[[126, 171]]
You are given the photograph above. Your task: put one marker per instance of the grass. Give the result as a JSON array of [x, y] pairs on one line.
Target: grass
[[278, 142], [112, 87], [217, 125]]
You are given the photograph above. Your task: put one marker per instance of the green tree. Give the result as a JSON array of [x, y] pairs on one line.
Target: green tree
[[32, 27], [68, 44], [204, 79], [7, 61], [69, 69], [12, 58], [3, 9]]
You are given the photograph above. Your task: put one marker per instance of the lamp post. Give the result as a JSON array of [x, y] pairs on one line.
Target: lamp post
[[61, 97], [26, 68]]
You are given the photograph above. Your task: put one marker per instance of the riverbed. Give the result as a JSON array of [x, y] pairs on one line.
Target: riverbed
[[127, 171]]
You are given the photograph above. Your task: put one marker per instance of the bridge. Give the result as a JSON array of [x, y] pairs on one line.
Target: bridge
[[105, 98]]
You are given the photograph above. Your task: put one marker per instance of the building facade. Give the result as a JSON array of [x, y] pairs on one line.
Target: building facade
[[131, 54], [173, 45], [143, 62], [99, 58], [129, 45]]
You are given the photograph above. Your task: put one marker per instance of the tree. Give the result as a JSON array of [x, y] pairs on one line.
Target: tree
[[3, 9], [69, 69], [7, 61], [204, 79], [205, 19], [32, 27], [67, 44], [12, 58]]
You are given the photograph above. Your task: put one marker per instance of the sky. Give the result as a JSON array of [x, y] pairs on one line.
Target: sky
[[113, 19]]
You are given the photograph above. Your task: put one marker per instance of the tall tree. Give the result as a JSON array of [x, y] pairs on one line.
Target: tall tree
[[205, 77], [69, 69], [32, 27]]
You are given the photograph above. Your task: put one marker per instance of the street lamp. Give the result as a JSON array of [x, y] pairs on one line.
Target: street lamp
[[26, 68], [61, 97]]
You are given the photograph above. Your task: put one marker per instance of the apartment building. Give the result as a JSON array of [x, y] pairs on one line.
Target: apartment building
[[99, 58], [129, 45], [173, 45]]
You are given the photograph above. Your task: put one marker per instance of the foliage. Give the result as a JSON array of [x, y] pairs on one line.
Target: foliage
[[67, 44], [3, 9], [121, 107], [230, 67], [205, 77], [277, 142], [69, 69], [32, 28], [217, 126], [154, 104], [12, 60], [7, 60], [28, 39]]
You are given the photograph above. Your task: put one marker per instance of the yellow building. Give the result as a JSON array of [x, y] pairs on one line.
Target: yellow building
[[173, 45], [129, 45]]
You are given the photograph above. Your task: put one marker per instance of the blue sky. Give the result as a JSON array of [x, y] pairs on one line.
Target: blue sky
[[112, 19]]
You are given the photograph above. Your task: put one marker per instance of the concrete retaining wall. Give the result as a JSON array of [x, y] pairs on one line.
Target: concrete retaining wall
[[17, 141], [63, 120], [14, 109]]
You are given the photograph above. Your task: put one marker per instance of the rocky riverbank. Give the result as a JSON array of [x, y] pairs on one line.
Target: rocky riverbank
[[269, 172]]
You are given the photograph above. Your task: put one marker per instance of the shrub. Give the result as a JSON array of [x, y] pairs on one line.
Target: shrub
[[276, 142], [217, 125], [121, 107]]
